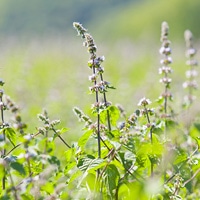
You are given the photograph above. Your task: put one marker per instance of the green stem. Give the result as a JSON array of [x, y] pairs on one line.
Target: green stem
[[151, 135], [105, 101], [13, 187], [4, 138], [98, 115], [60, 137]]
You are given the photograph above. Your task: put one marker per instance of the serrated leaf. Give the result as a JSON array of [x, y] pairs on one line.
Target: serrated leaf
[[114, 115], [18, 167], [90, 164], [84, 138], [113, 177], [155, 148]]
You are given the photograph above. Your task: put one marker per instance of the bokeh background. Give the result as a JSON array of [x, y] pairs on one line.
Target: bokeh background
[[44, 63]]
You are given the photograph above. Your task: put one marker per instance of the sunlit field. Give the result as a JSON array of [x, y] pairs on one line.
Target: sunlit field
[[53, 74], [127, 136]]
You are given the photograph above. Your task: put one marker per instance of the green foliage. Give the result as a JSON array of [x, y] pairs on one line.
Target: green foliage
[[149, 154]]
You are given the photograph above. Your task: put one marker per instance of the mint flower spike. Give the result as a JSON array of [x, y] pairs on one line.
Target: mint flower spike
[[89, 43], [164, 30], [144, 102], [80, 29], [165, 69], [188, 38], [100, 86], [190, 84]]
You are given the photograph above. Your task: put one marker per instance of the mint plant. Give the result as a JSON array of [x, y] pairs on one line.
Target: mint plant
[[147, 154]]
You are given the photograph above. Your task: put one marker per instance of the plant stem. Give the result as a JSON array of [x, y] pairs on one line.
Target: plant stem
[[105, 101], [13, 187], [151, 135], [60, 137], [4, 138], [19, 145], [28, 159], [194, 175], [149, 122], [98, 115]]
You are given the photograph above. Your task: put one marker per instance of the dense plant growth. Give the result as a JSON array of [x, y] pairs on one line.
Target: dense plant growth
[[151, 153]]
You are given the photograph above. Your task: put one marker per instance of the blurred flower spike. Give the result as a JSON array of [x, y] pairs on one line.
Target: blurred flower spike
[[144, 102]]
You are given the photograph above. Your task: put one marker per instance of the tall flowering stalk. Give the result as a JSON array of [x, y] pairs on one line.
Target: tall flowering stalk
[[165, 69], [192, 63], [147, 112], [99, 85], [2, 129]]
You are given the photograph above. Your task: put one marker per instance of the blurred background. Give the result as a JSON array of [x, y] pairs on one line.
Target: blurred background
[[44, 64]]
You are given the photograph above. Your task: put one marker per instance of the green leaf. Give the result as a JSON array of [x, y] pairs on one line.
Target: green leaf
[[2, 167], [90, 164], [116, 133], [117, 164], [198, 141], [160, 100], [74, 176], [54, 160], [124, 192], [113, 177], [90, 181], [69, 154], [197, 126], [114, 114], [84, 138], [194, 132], [69, 166], [142, 160], [180, 158], [129, 156], [11, 135], [18, 167], [5, 197], [26, 197], [136, 191], [48, 187], [63, 130]]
